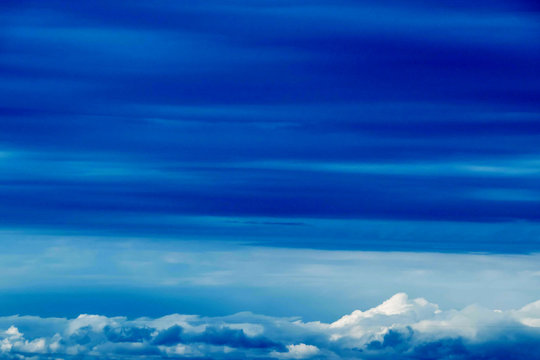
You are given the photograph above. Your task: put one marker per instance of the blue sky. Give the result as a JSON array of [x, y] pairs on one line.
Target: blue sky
[[115, 115], [287, 158]]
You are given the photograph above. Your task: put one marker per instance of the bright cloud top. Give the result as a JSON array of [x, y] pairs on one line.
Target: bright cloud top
[[400, 328]]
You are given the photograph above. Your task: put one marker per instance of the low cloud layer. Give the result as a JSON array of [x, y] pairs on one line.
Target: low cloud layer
[[399, 328]]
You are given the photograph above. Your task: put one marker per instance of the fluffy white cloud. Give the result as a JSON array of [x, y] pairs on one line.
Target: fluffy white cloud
[[396, 310], [399, 328], [300, 351]]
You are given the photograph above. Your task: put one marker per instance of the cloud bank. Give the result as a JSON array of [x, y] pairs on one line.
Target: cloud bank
[[399, 328]]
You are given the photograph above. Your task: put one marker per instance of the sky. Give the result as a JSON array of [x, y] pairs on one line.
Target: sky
[[182, 178]]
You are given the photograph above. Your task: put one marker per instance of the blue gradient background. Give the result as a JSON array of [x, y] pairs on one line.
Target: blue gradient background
[[300, 134], [120, 117]]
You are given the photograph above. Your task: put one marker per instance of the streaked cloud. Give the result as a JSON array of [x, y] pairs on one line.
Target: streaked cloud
[[318, 110], [66, 275]]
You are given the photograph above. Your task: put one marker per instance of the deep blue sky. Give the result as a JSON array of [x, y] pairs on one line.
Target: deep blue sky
[[264, 117]]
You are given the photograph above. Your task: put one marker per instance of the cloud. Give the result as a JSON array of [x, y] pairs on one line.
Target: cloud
[[68, 275], [300, 351], [399, 328]]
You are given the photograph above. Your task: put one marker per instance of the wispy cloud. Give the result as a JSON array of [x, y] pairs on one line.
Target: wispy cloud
[[67, 275], [269, 109]]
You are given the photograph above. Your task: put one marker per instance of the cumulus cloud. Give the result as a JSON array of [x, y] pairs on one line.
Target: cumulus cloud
[[300, 351], [399, 328]]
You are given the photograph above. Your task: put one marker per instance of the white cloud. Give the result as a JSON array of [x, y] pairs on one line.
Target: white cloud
[[399, 327], [529, 314], [95, 322], [398, 310], [300, 351], [13, 332]]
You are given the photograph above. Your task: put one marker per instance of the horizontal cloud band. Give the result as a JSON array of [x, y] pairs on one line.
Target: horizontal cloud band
[[399, 328]]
